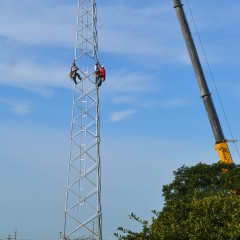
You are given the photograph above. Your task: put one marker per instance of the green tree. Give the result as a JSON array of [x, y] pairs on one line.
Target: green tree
[[202, 202]]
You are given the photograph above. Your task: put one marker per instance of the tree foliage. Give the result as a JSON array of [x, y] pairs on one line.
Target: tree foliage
[[202, 202]]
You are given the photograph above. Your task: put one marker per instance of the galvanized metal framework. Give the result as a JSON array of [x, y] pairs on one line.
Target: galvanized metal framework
[[83, 216]]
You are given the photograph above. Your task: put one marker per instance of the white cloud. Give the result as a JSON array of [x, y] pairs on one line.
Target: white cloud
[[142, 32], [34, 77], [121, 115], [153, 33], [40, 78], [152, 103], [122, 99], [38, 22], [175, 103], [133, 89], [131, 82], [137, 90], [18, 107], [137, 100]]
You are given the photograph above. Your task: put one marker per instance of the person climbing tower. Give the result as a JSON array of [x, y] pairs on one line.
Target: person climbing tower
[[97, 72], [74, 74], [97, 67], [102, 73]]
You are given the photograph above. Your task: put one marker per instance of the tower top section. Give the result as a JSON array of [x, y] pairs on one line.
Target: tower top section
[[86, 45]]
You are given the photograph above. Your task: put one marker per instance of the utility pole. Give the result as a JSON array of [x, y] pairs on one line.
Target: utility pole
[[83, 194], [15, 235], [221, 143]]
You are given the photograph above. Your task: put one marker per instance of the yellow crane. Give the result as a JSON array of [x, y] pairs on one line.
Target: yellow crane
[[221, 143]]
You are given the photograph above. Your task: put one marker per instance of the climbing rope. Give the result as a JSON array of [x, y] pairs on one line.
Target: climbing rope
[[214, 82]]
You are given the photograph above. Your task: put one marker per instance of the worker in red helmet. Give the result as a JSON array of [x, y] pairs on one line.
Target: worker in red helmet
[[102, 73]]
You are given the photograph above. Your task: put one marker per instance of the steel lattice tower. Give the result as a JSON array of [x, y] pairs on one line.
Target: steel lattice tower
[[83, 216]]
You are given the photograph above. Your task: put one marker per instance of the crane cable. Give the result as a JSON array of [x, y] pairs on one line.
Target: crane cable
[[209, 68]]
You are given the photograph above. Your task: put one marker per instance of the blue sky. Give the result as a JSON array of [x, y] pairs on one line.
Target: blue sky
[[152, 117]]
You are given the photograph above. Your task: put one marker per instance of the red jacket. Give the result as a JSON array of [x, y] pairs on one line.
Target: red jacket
[[102, 71]]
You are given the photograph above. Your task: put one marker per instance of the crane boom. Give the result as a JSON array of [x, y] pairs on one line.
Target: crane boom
[[221, 143]]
